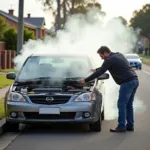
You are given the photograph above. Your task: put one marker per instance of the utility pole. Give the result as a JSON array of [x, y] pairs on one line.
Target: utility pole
[[20, 26]]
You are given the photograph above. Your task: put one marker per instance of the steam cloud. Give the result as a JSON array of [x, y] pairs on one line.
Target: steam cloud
[[85, 34]]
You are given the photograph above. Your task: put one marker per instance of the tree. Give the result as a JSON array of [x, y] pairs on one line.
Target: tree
[[69, 8], [141, 20], [10, 38], [123, 20], [3, 28]]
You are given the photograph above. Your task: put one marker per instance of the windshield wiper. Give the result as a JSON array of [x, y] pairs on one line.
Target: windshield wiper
[[73, 78], [40, 78], [28, 82]]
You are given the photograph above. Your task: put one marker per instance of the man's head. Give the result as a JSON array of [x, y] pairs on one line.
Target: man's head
[[104, 52]]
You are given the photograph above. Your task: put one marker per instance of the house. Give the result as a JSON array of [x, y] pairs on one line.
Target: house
[[37, 25]]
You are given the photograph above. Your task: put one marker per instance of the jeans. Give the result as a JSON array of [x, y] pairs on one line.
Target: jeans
[[125, 104]]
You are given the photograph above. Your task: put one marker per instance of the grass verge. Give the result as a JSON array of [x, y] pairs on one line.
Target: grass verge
[[4, 81], [146, 59], [7, 70], [1, 108]]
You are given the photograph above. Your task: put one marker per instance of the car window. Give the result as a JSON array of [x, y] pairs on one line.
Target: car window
[[132, 57], [55, 66]]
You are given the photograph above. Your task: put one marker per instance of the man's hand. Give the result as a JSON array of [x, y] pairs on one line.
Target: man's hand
[[93, 70], [82, 81]]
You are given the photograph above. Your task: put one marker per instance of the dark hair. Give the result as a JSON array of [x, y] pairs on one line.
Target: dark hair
[[103, 49]]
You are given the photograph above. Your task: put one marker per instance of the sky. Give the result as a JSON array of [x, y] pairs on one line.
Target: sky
[[113, 8]]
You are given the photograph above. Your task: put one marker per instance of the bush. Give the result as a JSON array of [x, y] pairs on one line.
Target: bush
[[28, 35], [10, 38], [3, 28]]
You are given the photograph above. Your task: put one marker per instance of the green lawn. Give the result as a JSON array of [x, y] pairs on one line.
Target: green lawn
[[144, 56], [146, 59], [7, 70], [4, 81], [1, 108]]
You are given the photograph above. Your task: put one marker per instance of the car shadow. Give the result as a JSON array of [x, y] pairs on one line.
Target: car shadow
[[59, 128]]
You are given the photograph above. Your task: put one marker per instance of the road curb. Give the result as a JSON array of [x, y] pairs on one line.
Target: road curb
[[2, 124]]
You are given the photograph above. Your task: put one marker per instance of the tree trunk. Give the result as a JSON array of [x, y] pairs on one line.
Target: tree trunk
[[58, 24], [64, 11], [72, 8]]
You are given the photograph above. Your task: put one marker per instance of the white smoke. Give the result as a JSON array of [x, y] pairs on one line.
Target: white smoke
[[85, 34]]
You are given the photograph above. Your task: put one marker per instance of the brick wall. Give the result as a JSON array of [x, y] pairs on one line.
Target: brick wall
[[6, 59], [2, 46]]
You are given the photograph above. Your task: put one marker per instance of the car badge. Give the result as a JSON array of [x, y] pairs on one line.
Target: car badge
[[49, 99]]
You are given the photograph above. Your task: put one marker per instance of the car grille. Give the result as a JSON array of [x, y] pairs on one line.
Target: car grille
[[62, 115], [41, 99]]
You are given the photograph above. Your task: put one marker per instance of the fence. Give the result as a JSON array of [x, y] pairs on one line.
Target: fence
[[6, 59]]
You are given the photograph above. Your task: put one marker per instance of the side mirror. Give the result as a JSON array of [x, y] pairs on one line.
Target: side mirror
[[103, 76], [11, 75]]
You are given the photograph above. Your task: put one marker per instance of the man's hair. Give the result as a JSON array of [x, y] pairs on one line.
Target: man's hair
[[103, 49]]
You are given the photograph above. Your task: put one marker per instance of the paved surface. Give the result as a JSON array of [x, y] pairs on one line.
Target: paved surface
[[3, 73], [3, 91], [73, 137]]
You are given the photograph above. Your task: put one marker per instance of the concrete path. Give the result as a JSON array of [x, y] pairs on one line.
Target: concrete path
[[3, 91], [3, 73]]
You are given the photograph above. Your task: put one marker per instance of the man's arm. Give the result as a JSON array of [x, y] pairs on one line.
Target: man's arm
[[99, 71], [97, 68], [93, 70]]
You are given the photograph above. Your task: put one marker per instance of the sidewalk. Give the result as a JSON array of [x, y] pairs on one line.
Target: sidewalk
[[3, 73], [3, 91], [3, 121]]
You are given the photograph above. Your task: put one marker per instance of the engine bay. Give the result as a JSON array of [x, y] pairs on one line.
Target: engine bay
[[68, 86]]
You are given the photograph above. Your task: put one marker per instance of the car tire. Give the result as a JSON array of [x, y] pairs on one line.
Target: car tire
[[11, 127], [96, 127], [140, 68]]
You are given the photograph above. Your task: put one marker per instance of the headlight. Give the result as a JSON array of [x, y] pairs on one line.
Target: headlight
[[85, 97], [15, 97]]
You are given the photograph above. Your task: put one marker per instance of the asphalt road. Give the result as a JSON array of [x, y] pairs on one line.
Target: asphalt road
[[67, 137]]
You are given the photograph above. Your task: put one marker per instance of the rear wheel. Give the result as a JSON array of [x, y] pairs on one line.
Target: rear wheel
[[11, 127], [96, 127]]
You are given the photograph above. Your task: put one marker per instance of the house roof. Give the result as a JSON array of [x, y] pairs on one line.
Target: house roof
[[28, 22], [39, 22]]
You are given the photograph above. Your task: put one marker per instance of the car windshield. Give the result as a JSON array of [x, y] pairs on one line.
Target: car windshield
[[132, 57], [55, 67]]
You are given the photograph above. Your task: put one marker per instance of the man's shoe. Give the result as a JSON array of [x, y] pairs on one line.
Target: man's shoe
[[130, 129], [118, 130]]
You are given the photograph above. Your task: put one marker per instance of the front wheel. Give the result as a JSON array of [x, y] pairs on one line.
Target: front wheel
[[96, 127], [140, 68]]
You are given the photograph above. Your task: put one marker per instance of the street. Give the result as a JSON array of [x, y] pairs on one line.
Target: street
[[68, 137]]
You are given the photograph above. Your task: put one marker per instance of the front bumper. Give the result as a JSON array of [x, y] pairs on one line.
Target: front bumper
[[71, 112], [135, 64]]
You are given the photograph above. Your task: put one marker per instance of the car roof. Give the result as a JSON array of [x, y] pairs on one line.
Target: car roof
[[131, 54]]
